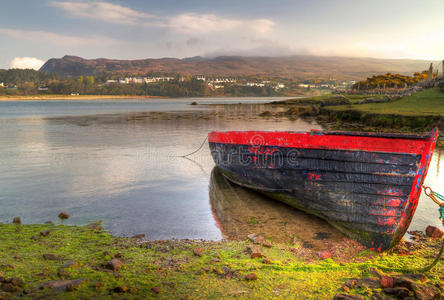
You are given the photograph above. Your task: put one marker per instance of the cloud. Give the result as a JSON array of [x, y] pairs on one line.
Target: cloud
[[26, 63], [192, 42], [57, 39], [202, 23], [100, 10], [192, 23], [189, 23]]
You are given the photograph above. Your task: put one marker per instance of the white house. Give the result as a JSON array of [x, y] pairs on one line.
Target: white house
[[200, 77], [2, 84], [255, 84]]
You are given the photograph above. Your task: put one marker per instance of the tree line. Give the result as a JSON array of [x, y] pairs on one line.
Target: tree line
[[31, 82]]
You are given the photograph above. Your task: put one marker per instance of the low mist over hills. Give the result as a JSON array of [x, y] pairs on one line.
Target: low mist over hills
[[296, 67]]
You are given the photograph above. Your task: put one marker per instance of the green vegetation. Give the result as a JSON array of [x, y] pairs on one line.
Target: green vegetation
[[330, 99], [429, 102], [175, 269], [390, 80]]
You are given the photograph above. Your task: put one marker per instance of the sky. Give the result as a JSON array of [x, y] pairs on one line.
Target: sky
[[32, 32]]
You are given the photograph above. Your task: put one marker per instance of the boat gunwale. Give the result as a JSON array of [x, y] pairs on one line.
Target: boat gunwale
[[326, 140]]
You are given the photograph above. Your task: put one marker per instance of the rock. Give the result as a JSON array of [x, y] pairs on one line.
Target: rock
[[96, 226], [121, 289], [256, 239], [347, 297], [198, 251], [324, 254], [375, 272], [10, 288], [251, 276], [370, 282], [62, 273], [156, 289], [386, 282], [52, 257], [4, 296], [406, 279], [64, 215], [62, 285], [17, 221], [138, 236], [399, 292], [378, 296], [15, 281], [70, 264], [434, 232], [113, 265], [351, 283], [267, 244], [266, 113], [44, 232], [254, 251], [322, 235], [267, 261], [426, 292]]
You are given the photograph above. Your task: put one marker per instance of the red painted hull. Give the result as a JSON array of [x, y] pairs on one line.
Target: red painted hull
[[365, 184]]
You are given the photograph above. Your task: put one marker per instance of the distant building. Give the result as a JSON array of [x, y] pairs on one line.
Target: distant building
[[280, 86], [43, 89], [255, 84], [221, 80], [111, 81], [2, 84], [200, 77]]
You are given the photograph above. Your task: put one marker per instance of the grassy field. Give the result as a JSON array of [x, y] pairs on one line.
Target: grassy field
[[329, 98], [69, 262], [424, 103]]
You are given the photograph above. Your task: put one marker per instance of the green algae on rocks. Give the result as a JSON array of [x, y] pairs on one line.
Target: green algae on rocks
[[71, 262]]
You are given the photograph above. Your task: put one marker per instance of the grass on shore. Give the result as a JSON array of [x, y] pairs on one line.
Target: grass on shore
[[324, 98], [174, 268], [429, 102]]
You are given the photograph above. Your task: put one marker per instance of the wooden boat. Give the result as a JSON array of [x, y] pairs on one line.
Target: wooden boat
[[365, 184]]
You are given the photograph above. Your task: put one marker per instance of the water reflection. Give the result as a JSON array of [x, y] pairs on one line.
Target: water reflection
[[240, 212], [427, 211]]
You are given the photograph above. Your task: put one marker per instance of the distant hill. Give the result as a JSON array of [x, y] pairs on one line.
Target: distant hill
[[296, 67]]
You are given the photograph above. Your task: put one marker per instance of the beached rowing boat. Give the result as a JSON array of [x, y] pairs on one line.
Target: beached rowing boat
[[365, 184]]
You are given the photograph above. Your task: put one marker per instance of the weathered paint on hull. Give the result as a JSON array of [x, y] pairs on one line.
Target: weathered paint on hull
[[367, 185]]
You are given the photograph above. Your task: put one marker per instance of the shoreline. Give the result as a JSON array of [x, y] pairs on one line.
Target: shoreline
[[103, 97], [75, 97], [59, 261]]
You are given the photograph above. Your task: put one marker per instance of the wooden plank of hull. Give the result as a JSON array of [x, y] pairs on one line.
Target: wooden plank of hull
[[369, 195]]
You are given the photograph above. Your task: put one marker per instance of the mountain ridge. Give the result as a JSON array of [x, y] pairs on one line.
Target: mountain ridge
[[295, 67]]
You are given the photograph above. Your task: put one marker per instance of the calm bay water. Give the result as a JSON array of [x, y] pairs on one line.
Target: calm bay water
[[117, 161]]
